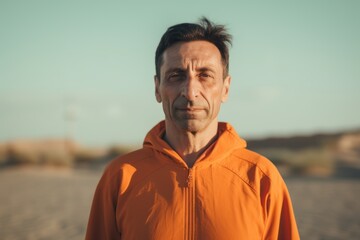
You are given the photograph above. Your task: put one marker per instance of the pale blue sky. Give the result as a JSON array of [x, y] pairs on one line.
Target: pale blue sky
[[295, 66]]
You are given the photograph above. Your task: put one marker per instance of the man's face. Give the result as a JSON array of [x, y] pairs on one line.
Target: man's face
[[191, 85]]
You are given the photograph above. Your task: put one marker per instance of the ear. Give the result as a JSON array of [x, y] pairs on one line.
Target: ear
[[226, 88], [157, 86]]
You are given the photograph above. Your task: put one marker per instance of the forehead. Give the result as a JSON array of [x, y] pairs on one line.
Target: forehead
[[200, 53]]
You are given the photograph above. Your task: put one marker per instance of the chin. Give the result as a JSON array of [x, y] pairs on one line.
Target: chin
[[192, 125]]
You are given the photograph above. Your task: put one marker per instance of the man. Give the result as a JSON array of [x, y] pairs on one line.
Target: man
[[193, 178]]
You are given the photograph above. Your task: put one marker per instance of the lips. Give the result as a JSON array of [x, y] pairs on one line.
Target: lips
[[190, 113], [192, 109], [189, 107]]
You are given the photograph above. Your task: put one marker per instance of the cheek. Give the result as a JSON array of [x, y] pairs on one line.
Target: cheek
[[167, 102], [216, 102], [169, 95]]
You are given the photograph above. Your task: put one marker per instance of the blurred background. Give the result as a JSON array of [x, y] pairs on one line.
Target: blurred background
[[76, 90]]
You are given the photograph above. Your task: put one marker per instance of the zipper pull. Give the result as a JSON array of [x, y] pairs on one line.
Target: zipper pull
[[189, 178]]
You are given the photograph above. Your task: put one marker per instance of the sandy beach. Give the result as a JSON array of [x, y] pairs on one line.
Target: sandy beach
[[54, 204]]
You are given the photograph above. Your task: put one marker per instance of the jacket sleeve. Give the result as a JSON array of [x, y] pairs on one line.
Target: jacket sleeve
[[102, 222], [280, 219]]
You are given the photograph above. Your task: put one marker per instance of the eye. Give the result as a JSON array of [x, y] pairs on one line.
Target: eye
[[175, 76], [205, 75]]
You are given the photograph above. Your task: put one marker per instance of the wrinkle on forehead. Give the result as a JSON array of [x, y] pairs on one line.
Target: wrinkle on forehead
[[192, 55], [195, 64]]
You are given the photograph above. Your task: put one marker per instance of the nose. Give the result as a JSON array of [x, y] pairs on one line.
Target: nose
[[190, 88]]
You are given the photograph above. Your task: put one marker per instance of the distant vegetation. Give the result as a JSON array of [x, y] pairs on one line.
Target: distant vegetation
[[59, 153], [319, 155]]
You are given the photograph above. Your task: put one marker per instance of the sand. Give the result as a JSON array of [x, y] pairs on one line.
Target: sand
[[45, 204], [54, 204], [326, 208]]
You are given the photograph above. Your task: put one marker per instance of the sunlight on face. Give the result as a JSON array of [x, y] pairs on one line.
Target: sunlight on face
[[192, 86]]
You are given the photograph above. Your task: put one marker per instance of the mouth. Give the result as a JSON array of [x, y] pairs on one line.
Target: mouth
[[190, 109]]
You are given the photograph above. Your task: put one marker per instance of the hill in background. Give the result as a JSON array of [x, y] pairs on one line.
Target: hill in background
[[320, 154], [336, 154]]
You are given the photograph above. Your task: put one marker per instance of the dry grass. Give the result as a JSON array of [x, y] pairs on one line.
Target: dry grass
[[3, 153], [316, 156], [309, 161], [46, 152], [60, 153], [119, 150]]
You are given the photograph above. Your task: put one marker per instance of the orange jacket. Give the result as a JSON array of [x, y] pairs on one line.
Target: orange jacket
[[229, 193]]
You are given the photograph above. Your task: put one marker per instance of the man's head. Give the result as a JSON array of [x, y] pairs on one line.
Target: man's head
[[186, 32], [192, 79]]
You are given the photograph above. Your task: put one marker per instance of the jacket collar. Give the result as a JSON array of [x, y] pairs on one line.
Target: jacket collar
[[227, 142]]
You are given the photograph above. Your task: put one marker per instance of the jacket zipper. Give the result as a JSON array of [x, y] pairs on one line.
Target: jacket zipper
[[190, 204]]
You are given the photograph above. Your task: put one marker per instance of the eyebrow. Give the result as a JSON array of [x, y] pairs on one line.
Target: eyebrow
[[205, 69], [177, 69], [181, 70]]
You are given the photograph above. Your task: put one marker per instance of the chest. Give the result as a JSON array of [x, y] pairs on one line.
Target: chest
[[180, 203]]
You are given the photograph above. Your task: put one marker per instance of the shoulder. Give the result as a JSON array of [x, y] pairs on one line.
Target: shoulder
[[254, 169], [131, 157], [133, 160], [246, 160], [131, 168]]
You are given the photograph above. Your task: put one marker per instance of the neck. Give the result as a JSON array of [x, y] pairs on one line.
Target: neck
[[190, 145]]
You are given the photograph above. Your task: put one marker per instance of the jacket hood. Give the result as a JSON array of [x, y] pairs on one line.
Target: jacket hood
[[227, 142]]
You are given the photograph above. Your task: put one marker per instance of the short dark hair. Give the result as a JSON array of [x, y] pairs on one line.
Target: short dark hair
[[186, 32]]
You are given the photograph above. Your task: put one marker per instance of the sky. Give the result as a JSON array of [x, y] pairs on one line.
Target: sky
[[84, 69]]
